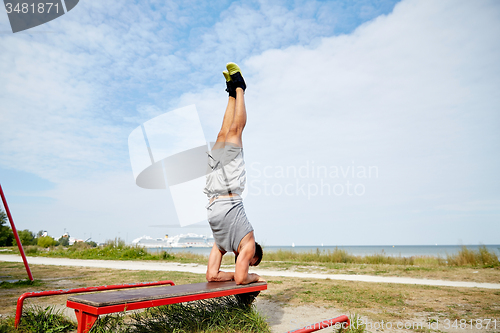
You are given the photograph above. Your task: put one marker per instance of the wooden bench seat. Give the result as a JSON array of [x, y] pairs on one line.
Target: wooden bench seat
[[88, 307]]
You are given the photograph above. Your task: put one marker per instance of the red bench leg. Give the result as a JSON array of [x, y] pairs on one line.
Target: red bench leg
[[85, 321]]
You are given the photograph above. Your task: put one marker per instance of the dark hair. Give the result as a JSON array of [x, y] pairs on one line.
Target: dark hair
[[258, 253]]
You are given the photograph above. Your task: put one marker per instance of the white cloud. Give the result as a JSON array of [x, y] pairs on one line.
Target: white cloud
[[71, 97], [413, 93]]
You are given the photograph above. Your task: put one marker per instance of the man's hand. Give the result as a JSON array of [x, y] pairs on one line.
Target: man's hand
[[250, 277]]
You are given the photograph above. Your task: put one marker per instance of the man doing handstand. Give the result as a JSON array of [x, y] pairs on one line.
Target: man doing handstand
[[225, 183]]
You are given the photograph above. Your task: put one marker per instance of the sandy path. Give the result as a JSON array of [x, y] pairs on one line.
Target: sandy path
[[201, 269]]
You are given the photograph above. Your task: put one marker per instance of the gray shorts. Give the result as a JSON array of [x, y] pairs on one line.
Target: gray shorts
[[226, 171], [229, 222]]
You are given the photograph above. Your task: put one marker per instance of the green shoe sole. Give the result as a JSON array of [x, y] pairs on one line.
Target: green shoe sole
[[232, 68], [227, 76]]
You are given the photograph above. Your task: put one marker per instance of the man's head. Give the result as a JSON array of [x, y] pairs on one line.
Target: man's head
[[257, 258]]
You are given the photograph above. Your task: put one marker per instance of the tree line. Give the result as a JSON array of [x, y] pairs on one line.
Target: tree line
[[26, 236]]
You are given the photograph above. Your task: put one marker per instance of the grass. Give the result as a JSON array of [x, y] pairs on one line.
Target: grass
[[377, 301], [356, 326], [117, 250], [225, 314], [112, 250], [386, 301], [36, 319], [19, 284], [465, 257], [480, 266]]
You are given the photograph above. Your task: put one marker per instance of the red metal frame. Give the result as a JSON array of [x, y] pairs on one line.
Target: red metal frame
[[20, 300], [87, 314], [85, 321], [323, 324], [157, 302], [14, 230]]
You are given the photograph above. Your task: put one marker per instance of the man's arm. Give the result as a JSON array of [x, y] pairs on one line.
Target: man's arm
[[213, 269], [241, 275]]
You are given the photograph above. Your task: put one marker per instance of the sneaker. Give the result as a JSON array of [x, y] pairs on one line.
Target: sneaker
[[230, 88], [236, 77]]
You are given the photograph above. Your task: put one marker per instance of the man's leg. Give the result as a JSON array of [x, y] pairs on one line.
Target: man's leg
[[239, 121], [226, 123]]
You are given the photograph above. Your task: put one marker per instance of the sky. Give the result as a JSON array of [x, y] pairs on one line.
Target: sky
[[369, 122]]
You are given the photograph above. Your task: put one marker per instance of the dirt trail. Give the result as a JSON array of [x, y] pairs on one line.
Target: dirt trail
[[201, 269]]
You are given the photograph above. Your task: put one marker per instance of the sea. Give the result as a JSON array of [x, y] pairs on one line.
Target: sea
[[358, 250]]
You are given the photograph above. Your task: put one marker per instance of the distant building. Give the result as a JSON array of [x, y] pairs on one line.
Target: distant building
[[73, 240], [179, 241]]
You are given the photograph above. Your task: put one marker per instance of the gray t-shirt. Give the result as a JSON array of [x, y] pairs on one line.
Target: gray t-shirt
[[229, 222]]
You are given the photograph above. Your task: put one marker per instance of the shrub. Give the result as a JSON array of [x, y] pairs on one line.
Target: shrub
[[117, 242], [64, 241], [91, 243], [43, 320], [488, 258], [468, 257], [6, 234], [166, 256], [80, 246], [27, 237], [46, 241], [357, 325], [32, 249], [134, 253], [224, 314]]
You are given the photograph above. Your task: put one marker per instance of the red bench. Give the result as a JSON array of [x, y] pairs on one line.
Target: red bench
[[88, 307]]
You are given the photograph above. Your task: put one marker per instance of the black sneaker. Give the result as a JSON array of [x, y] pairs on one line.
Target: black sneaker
[[230, 88], [236, 77]]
